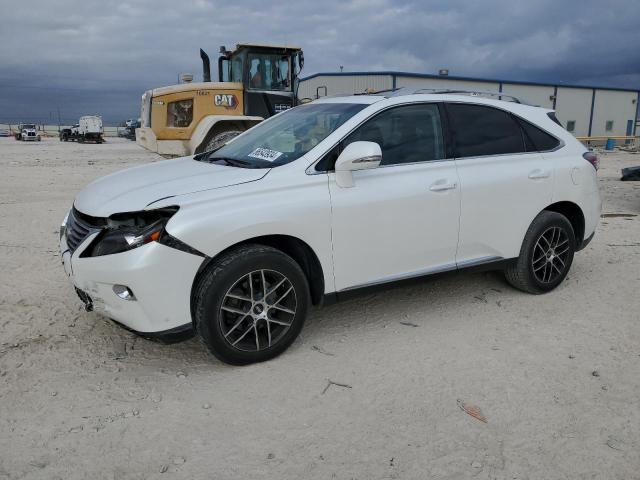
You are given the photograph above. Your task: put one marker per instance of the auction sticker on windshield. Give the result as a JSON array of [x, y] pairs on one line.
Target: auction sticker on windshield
[[265, 154]]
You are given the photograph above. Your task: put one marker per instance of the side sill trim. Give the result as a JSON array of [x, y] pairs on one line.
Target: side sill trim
[[478, 261], [395, 278], [476, 265]]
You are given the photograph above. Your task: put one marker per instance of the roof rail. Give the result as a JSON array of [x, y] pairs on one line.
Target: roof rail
[[357, 94], [371, 91], [473, 93]]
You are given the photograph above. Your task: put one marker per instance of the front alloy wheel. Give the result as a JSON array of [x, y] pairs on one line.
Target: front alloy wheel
[[258, 310], [250, 304]]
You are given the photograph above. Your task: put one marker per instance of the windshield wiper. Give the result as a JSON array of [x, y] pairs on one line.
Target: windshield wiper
[[233, 162]]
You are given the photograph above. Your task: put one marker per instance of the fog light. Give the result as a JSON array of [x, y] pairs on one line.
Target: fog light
[[124, 292]]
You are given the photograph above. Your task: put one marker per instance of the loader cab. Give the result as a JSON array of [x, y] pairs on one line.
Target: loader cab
[[269, 75]]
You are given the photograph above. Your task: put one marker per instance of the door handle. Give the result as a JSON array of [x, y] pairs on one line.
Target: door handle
[[538, 173], [440, 187]]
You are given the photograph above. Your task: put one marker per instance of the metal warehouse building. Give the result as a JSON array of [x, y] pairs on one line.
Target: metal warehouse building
[[584, 111]]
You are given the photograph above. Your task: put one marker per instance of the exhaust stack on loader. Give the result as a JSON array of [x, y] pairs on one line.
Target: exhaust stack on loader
[[206, 66]]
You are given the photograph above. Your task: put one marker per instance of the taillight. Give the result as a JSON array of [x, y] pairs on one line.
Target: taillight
[[592, 158]]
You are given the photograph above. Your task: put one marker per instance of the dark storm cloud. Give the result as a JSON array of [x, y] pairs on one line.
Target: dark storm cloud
[[98, 57]]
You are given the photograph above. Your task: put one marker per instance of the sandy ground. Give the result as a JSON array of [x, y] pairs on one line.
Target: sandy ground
[[556, 376]]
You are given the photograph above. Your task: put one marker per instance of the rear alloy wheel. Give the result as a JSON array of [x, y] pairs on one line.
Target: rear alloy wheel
[[550, 255], [546, 254], [250, 304]]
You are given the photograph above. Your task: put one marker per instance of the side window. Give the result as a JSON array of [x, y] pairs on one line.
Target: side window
[[537, 139], [236, 69], [225, 69], [406, 134], [258, 73], [282, 73], [480, 130]]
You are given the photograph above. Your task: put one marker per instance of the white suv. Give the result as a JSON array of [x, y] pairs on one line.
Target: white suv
[[324, 200]]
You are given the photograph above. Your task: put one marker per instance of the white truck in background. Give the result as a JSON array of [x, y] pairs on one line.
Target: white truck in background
[[27, 132], [88, 129]]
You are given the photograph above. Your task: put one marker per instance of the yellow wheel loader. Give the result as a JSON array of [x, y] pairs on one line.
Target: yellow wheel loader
[[254, 83]]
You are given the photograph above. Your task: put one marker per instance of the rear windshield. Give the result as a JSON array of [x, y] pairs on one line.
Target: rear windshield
[[286, 137]]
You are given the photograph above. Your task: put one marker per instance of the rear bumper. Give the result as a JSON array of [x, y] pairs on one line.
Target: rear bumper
[[593, 210], [160, 278]]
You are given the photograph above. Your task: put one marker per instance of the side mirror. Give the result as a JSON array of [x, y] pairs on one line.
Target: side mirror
[[356, 156]]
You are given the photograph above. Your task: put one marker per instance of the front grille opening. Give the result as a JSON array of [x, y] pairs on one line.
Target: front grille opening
[[80, 226]]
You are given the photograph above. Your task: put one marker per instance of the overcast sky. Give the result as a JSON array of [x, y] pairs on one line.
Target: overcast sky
[[92, 56]]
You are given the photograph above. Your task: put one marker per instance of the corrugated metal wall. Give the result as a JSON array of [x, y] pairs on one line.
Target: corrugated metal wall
[[618, 107], [343, 84], [532, 94], [445, 83], [572, 103]]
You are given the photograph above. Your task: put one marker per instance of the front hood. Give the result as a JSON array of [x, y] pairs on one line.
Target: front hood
[[137, 188]]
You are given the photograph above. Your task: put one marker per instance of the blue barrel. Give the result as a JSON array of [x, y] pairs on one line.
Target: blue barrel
[[611, 143]]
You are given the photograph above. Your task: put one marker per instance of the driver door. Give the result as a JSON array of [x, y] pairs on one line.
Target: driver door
[[401, 219]]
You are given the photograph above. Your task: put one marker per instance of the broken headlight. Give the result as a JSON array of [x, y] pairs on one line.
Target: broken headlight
[[126, 231]]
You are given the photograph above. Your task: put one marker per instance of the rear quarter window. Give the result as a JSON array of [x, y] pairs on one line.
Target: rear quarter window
[[537, 139]]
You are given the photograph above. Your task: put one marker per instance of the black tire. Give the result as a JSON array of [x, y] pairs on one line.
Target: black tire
[[546, 254], [220, 139], [224, 285]]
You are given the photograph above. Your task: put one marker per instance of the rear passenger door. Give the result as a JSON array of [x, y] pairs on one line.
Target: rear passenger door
[[505, 182]]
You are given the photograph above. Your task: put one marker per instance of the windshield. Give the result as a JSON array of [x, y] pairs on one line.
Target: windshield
[[287, 136], [269, 72], [29, 126]]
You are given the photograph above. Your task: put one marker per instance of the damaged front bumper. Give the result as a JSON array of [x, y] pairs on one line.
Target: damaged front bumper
[[146, 290]]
